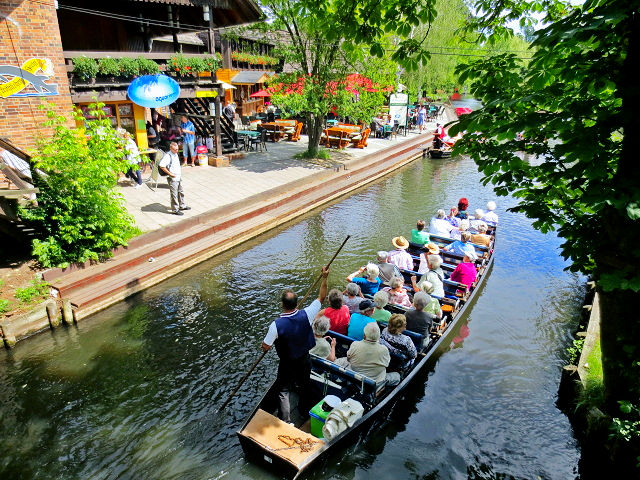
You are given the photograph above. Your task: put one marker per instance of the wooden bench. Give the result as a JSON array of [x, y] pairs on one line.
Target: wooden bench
[[295, 135], [360, 141]]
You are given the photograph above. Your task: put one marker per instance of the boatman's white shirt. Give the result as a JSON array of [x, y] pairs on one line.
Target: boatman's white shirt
[[311, 311]]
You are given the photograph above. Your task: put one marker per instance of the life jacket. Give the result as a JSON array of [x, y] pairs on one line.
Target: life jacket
[[295, 336]]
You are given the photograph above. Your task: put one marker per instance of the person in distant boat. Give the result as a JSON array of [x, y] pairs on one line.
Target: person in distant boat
[[419, 234], [438, 144], [481, 238], [465, 272], [352, 297], [430, 249], [434, 275], [419, 320], [325, 346], [397, 293], [463, 204], [337, 313], [476, 220], [369, 284], [462, 246], [400, 257], [386, 269], [439, 226], [368, 357], [293, 338], [393, 338], [381, 299], [491, 217], [360, 319]]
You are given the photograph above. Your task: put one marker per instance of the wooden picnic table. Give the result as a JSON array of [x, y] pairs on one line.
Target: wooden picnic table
[[275, 131]]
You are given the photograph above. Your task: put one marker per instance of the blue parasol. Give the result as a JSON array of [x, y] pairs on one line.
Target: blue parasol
[[153, 91]]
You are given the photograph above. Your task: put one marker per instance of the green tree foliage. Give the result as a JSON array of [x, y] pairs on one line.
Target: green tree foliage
[[573, 111], [79, 211], [328, 38], [449, 46]]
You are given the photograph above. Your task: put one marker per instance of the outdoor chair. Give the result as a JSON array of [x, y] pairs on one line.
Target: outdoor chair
[[259, 141], [393, 132]]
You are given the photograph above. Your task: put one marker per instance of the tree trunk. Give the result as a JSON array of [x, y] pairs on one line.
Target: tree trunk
[[315, 126], [620, 327]]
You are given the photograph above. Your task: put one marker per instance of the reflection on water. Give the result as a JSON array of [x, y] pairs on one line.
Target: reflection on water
[[134, 391]]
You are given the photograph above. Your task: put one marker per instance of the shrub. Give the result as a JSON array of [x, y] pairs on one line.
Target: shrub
[[129, 67], [4, 306], [78, 208], [108, 66], [38, 288], [147, 66], [85, 68]]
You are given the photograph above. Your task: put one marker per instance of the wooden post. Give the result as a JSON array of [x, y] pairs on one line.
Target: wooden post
[[67, 312], [216, 123], [52, 313]]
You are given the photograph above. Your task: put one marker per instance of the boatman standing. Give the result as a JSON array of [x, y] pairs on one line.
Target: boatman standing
[[293, 338]]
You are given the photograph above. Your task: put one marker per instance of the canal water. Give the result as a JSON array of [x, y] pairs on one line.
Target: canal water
[[133, 392]]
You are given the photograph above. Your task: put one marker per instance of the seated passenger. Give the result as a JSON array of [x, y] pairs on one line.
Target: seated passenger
[[371, 283], [481, 238], [434, 305], [337, 313], [418, 234], [461, 246], [370, 358], [397, 293], [379, 313], [325, 346], [399, 257], [352, 297], [439, 226], [451, 218], [476, 221], [465, 271], [463, 226], [419, 320], [434, 275], [490, 217], [394, 340], [386, 269], [463, 204], [359, 320], [431, 249]]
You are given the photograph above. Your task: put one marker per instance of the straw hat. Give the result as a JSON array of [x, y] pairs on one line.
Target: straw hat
[[400, 242], [432, 248]]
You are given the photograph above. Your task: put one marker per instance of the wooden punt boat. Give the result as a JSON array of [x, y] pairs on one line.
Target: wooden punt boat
[[438, 153], [290, 450]]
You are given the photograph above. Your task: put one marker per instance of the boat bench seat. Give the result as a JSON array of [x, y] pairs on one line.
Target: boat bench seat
[[367, 385]]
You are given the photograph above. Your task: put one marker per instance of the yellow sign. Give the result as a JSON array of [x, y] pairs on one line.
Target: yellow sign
[[206, 93], [25, 75]]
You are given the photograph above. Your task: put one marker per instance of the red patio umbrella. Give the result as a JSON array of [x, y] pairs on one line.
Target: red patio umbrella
[[261, 93]]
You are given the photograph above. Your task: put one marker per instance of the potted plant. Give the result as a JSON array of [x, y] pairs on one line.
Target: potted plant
[[109, 67], [129, 67], [147, 66], [85, 69]]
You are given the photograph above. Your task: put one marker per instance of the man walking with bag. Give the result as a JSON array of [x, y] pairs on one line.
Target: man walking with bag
[[170, 166]]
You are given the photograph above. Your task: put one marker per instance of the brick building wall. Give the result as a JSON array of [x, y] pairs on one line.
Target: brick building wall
[[29, 29]]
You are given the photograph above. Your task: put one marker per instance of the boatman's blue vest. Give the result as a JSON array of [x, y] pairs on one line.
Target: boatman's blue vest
[[295, 336]]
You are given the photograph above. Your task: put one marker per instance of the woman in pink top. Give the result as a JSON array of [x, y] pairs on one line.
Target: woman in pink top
[[337, 313], [465, 272]]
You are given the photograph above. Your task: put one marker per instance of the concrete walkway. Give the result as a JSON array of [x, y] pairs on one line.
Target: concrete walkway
[[207, 188]]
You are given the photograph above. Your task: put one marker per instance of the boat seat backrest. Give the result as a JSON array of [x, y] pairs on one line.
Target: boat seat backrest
[[364, 383]]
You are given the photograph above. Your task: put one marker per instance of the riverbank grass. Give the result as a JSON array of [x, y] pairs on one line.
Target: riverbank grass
[[593, 393]]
